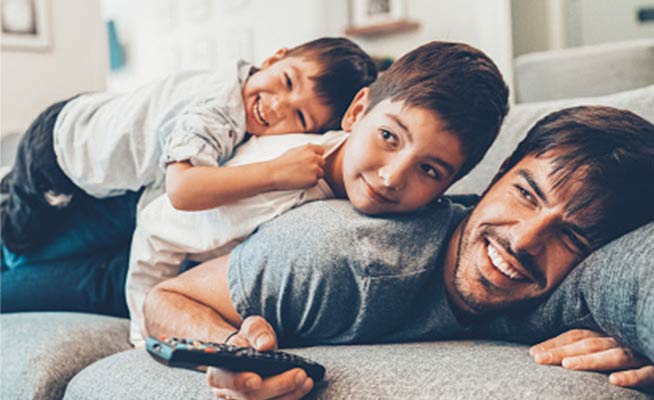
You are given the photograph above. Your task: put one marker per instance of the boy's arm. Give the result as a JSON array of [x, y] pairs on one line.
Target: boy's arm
[[194, 188], [587, 350]]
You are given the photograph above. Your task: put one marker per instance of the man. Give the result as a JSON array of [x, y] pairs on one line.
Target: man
[[574, 184]]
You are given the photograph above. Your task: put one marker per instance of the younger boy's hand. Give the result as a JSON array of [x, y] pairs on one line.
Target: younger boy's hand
[[257, 333], [300, 167], [587, 350]]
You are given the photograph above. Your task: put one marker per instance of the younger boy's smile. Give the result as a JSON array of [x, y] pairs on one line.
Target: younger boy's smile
[[281, 97]]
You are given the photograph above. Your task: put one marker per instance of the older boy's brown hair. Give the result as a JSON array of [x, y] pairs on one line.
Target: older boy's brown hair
[[344, 69], [458, 82]]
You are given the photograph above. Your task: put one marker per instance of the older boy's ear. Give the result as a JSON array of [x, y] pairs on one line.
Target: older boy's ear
[[279, 54], [356, 110]]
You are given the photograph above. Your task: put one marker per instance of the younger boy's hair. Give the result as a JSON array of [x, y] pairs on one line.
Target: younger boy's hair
[[458, 82], [345, 69], [610, 152]]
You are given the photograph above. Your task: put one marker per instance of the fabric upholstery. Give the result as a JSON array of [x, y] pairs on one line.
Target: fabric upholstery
[[42, 351], [437, 370]]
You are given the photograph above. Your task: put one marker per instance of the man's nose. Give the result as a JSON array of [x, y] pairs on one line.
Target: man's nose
[[530, 235], [393, 174]]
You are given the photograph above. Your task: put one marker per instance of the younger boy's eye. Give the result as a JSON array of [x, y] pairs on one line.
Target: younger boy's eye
[[289, 82], [430, 171], [303, 121], [388, 136]]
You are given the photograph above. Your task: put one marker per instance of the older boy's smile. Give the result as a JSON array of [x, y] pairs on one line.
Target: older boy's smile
[[257, 111]]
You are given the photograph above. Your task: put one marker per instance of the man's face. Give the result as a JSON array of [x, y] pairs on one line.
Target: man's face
[[519, 242], [281, 98], [398, 158]]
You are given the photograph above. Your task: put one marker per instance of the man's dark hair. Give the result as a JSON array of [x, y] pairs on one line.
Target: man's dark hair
[[460, 83], [610, 152], [345, 69]]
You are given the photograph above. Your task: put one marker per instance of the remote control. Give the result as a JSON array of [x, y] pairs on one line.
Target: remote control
[[190, 353]]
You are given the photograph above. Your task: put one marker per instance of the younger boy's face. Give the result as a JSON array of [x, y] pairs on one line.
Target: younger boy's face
[[398, 158], [281, 98]]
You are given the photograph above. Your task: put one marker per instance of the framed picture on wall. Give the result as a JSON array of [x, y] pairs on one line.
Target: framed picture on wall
[[25, 25], [374, 12]]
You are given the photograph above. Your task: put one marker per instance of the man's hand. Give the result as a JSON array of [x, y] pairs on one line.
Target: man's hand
[[257, 333], [587, 350], [300, 167]]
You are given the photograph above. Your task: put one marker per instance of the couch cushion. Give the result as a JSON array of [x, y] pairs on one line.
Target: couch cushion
[[437, 370], [522, 117], [42, 351], [584, 71]]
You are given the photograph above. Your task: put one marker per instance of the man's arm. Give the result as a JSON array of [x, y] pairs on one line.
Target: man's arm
[[197, 304], [193, 304]]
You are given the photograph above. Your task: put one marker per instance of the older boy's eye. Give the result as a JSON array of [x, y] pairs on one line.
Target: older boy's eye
[[430, 171], [388, 136], [289, 83]]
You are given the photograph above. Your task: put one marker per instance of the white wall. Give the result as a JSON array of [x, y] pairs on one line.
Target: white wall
[[485, 24], [167, 35], [76, 62]]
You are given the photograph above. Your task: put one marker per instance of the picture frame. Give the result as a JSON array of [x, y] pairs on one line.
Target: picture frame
[[25, 25], [366, 13]]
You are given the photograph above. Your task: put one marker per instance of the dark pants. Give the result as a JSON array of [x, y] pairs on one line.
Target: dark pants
[[28, 207], [62, 249]]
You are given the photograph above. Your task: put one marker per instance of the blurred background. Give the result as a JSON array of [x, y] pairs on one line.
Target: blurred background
[[52, 50]]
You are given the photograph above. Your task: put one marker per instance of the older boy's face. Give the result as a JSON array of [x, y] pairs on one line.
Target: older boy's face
[[398, 158], [281, 98], [519, 242]]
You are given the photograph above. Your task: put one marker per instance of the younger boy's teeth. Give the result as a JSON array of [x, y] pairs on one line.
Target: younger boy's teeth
[[258, 112], [502, 265]]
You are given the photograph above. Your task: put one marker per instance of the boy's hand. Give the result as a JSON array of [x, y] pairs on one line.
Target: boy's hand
[[256, 332], [582, 349], [300, 167]]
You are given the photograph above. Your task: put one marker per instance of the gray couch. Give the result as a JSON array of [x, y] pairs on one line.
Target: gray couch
[[84, 356]]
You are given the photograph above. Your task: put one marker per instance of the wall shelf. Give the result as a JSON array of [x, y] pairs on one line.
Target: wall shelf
[[383, 29]]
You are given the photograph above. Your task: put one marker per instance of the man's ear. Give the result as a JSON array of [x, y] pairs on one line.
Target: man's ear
[[356, 110], [279, 54]]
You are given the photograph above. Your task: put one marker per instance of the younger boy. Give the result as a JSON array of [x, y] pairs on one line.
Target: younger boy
[[421, 126], [106, 144]]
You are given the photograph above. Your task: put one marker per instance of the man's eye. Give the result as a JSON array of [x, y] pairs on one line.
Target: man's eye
[[388, 136], [525, 194], [289, 83], [430, 171], [574, 240]]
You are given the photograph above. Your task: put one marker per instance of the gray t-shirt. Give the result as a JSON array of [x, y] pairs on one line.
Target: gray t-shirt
[[326, 274]]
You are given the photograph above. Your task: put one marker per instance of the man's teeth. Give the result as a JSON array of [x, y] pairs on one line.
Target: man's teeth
[[502, 265]]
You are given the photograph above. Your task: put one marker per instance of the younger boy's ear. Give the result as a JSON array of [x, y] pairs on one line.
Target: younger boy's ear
[[356, 110], [279, 54]]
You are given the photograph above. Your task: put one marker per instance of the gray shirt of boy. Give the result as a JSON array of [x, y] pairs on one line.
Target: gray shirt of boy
[[326, 274]]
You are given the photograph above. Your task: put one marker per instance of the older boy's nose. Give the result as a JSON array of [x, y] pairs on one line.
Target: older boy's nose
[[393, 175]]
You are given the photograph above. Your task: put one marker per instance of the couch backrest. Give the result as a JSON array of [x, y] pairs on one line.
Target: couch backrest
[[523, 116]]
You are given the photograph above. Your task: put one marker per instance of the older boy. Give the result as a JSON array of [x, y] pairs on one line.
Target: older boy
[[410, 137], [572, 185]]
